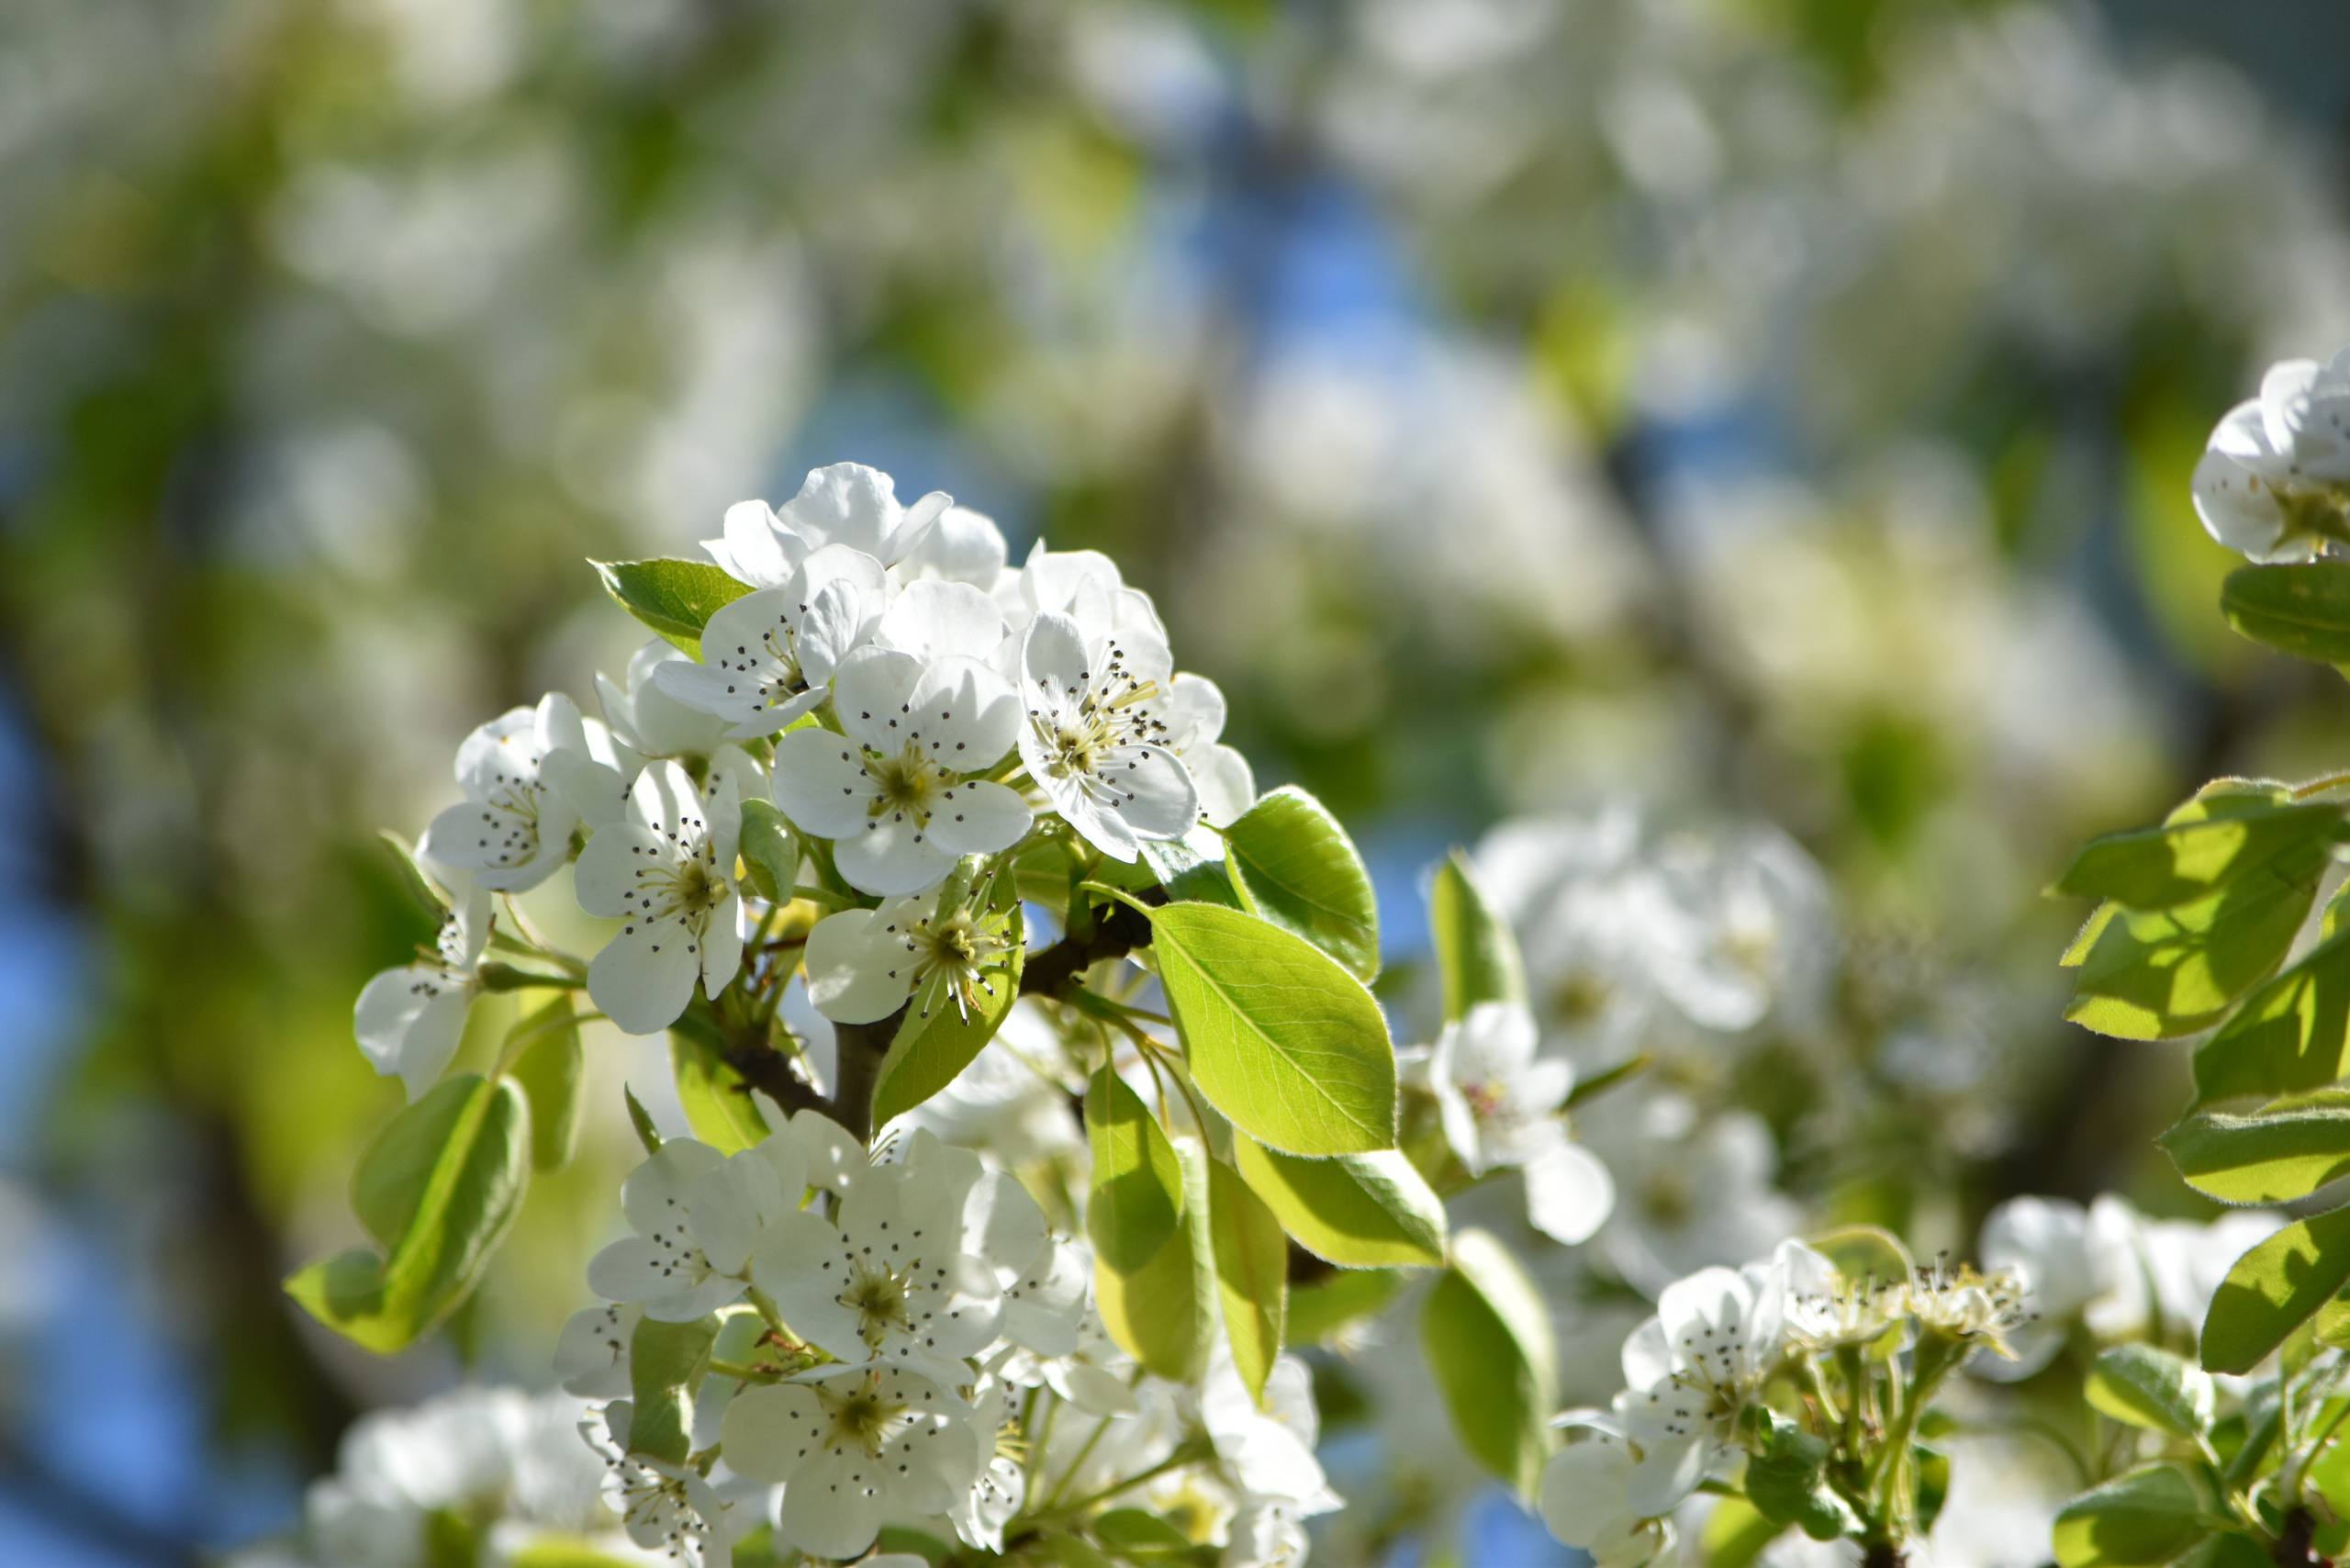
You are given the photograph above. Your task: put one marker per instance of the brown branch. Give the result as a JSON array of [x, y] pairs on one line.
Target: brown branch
[[1119, 931]]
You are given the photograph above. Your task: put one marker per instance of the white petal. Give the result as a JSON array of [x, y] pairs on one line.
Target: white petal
[[802, 1263], [939, 620], [1159, 800], [1227, 786], [963, 546], [819, 783], [845, 503], [833, 626], [767, 1428], [850, 958], [757, 552], [644, 977], [978, 818], [891, 855], [605, 879], [870, 695], [831, 1510], [409, 1021], [722, 943], [964, 714], [1568, 1194]]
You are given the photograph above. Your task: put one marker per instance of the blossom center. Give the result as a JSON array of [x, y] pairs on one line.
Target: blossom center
[[862, 1418], [878, 1297], [905, 784]]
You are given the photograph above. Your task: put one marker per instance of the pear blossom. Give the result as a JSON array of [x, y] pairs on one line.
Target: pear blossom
[[648, 720], [1826, 1309], [1691, 1189], [591, 1352], [695, 1213], [2271, 483], [410, 1019], [1690, 1371], [847, 503], [1585, 1496], [1752, 934], [893, 1280], [1042, 1279], [899, 792], [854, 1446], [1964, 1304], [963, 547], [1194, 714], [769, 656], [1094, 740], [865, 964], [667, 873], [513, 828], [936, 617], [1267, 1452], [1589, 920], [1083, 585], [1499, 1105], [669, 1508]]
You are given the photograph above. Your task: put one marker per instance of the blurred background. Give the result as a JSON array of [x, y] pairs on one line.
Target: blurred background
[[1750, 409]]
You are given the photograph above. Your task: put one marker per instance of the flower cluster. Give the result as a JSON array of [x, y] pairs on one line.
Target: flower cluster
[[2274, 480]]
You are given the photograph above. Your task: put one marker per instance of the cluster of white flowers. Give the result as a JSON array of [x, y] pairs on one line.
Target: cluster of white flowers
[[964, 698], [490, 1465], [2275, 481], [1693, 1371]]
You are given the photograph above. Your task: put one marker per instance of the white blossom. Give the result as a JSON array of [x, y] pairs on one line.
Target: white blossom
[[1690, 1371], [1094, 739], [1499, 1105], [854, 1446], [667, 1508], [2271, 482], [769, 656], [410, 1019], [591, 1354], [695, 1214], [898, 791], [1585, 1497], [847, 503], [1690, 1189], [1826, 1308], [513, 828], [891, 1281], [667, 871], [865, 964], [963, 547], [648, 720]]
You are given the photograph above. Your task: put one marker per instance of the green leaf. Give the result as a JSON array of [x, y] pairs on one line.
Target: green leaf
[[2294, 1033], [2182, 862], [1188, 876], [674, 597], [2280, 1152], [545, 1551], [421, 883], [439, 1188], [1292, 863], [1487, 1338], [2303, 610], [666, 1363], [1736, 1534], [1475, 954], [716, 1099], [2149, 1387], [1146, 1275], [2161, 974], [1321, 1309], [929, 1053], [1131, 1531], [1787, 1479], [1137, 1196], [2274, 1289], [768, 849], [548, 1070], [2149, 1515], [1361, 1211], [640, 1120], [1279, 1038], [1252, 1274]]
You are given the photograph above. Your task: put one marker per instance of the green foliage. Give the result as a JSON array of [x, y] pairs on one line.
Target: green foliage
[[2283, 1151], [2148, 1516], [930, 1052], [1252, 1274], [1279, 1038], [1787, 1479], [1187, 877], [1361, 1211], [438, 1189], [666, 1365], [716, 1099], [2198, 912], [768, 849], [2303, 610], [2292, 1035], [1321, 1309], [1291, 862], [2274, 1289], [550, 1069], [1487, 1337], [1145, 1268], [1476, 955], [2146, 1386], [640, 1121], [674, 597]]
